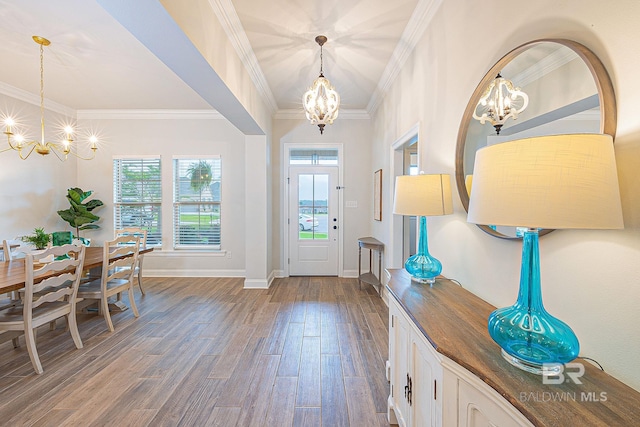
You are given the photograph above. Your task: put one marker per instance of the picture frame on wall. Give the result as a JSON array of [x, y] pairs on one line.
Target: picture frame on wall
[[377, 195]]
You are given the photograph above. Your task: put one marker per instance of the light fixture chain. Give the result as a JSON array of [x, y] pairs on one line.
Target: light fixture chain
[[61, 149], [42, 92], [321, 102]]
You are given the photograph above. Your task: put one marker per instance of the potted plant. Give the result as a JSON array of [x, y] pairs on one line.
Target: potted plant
[[39, 238], [80, 215]]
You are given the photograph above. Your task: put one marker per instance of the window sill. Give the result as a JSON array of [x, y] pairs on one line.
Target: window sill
[[159, 253]]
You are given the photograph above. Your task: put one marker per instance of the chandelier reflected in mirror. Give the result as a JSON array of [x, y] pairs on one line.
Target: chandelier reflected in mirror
[[321, 102], [499, 102], [62, 148]]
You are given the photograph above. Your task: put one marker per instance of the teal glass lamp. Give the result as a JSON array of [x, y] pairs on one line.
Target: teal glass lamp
[[555, 182], [422, 196]]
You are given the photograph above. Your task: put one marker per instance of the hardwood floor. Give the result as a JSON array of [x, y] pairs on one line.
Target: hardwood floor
[[205, 352]]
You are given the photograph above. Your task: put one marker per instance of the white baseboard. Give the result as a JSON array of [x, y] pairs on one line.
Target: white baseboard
[[271, 278], [158, 272], [350, 274], [384, 295], [256, 284]]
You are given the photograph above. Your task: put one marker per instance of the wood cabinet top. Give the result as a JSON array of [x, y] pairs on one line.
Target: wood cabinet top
[[454, 321]]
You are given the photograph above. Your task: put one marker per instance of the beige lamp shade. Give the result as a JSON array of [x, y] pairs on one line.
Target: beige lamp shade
[[558, 181], [423, 195]]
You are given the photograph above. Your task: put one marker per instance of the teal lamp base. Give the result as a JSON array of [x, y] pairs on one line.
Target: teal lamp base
[[534, 368], [422, 267], [532, 339]]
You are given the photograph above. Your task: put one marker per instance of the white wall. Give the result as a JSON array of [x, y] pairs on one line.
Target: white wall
[[590, 279], [199, 22], [166, 136], [31, 191], [355, 136]]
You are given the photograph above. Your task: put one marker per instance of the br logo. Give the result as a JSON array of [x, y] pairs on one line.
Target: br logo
[[568, 372]]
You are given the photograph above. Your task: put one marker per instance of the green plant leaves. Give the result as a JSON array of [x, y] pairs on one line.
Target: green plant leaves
[[200, 175], [39, 239], [79, 215]]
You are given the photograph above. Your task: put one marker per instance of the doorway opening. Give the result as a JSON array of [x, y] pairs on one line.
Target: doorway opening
[[405, 160], [409, 231], [312, 232]]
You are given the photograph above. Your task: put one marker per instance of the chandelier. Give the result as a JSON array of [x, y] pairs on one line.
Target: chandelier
[[61, 149], [500, 101], [321, 101]]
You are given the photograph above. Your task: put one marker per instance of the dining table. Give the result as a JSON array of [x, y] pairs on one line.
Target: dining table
[[12, 273]]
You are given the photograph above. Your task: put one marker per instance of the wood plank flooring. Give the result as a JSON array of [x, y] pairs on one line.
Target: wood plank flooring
[[309, 351]]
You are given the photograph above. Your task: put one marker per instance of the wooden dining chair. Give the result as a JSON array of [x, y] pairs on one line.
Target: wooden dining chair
[[6, 251], [142, 233], [50, 293], [13, 249], [118, 266], [8, 299]]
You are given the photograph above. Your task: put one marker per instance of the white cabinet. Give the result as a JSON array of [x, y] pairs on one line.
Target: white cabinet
[[430, 390], [441, 353], [415, 374], [472, 403]]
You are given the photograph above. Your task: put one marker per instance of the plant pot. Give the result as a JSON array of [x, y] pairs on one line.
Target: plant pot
[[81, 241]]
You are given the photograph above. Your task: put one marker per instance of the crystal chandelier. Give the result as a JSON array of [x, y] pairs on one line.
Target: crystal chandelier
[[61, 149], [500, 101], [321, 102]]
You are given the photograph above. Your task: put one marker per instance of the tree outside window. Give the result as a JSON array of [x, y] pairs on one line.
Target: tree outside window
[[197, 203]]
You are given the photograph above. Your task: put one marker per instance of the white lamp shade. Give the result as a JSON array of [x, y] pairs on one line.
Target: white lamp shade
[[423, 195], [558, 181]]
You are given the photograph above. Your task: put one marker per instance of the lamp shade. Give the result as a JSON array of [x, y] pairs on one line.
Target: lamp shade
[[558, 181], [423, 195]]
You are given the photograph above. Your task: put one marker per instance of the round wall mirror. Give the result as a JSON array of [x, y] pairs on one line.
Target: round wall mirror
[[568, 90]]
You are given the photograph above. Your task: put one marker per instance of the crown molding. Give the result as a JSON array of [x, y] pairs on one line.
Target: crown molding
[[587, 115], [546, 65], [292, 114], [149, 115], [422, 15], [232, 26], [30, 98]]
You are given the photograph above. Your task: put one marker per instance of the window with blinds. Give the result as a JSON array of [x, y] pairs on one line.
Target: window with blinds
[[196, 206], [137, 190]]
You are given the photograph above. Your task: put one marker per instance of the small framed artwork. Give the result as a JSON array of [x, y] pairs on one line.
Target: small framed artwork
[[377, 195]]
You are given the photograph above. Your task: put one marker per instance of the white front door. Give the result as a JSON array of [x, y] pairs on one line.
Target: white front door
[[313, 221]]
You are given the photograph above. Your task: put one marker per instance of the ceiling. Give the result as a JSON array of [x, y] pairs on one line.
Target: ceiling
[[93, 62]]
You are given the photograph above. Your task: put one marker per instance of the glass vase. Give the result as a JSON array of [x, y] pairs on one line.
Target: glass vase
[[422, 266], [531, 338]]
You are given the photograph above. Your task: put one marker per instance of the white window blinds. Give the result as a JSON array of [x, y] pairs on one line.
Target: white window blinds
[[196, 208], [137, 191]]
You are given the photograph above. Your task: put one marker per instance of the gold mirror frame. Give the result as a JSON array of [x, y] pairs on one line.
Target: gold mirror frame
[[607, 99]]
